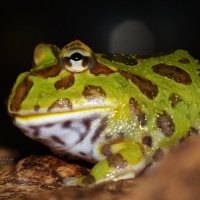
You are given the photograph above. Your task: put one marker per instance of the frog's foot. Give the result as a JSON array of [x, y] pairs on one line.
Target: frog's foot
[[125, 161]]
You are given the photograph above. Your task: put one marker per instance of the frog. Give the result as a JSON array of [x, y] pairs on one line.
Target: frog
[[120, 112]]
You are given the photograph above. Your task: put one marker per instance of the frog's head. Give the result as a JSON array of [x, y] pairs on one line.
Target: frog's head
[[67, 96]]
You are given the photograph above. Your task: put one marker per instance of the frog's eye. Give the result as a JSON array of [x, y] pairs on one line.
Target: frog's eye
[[77, 57]]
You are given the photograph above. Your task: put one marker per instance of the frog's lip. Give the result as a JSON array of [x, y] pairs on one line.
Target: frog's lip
[[67, 131], [35, 115]]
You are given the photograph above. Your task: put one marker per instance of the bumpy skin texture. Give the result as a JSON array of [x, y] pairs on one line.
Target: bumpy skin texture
[[122, 111]]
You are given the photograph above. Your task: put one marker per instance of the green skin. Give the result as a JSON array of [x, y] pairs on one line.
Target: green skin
[[151, 122]]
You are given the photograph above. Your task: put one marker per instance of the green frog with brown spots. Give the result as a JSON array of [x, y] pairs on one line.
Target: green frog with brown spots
[[120, 112]]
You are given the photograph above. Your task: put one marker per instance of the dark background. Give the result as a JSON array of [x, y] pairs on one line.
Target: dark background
[[113, 26]]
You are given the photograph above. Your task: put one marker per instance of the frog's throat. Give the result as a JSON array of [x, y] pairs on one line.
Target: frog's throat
[[73, 132]]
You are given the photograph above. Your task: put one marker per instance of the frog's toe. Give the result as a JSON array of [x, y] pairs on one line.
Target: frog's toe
[[80, 181], [73, 181]]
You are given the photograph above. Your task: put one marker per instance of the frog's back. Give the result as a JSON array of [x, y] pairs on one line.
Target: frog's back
[[164, 94]]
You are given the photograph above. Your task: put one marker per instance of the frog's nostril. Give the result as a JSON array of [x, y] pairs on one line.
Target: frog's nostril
[[76, 56]]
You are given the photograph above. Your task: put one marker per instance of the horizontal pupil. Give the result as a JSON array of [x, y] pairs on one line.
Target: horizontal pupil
[[76, 56]]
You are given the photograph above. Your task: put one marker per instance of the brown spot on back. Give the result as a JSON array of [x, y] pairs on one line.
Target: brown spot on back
[[192, 131], [121, 58], [89, 179], [47, 72], [105, 149], [182, 140], [21, 93], [61, 103], [57, 139], [174, 99], [159, 153], [145, 86], [116, 161], [135, 110], [173, 72], [101, 69], [99, 130], [36, 108], [65, 82], [166, 124], [147, 140], [184, 60], [94, 93]]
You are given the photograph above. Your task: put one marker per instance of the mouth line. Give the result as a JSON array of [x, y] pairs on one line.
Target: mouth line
[[28, 116]]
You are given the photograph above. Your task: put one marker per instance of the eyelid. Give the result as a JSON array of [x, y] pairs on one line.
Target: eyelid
[[69, 52], [86, 62]]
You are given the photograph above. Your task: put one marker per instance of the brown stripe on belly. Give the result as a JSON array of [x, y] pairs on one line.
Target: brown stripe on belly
[[100, 129], [87, 122]]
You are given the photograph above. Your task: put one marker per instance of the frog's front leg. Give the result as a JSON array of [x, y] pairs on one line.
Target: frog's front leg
[[124, 160]]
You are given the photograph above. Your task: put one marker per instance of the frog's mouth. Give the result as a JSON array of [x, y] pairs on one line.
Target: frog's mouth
[[73, 131]]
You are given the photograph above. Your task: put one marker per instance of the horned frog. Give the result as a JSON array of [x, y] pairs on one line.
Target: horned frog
[[120, 112]]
